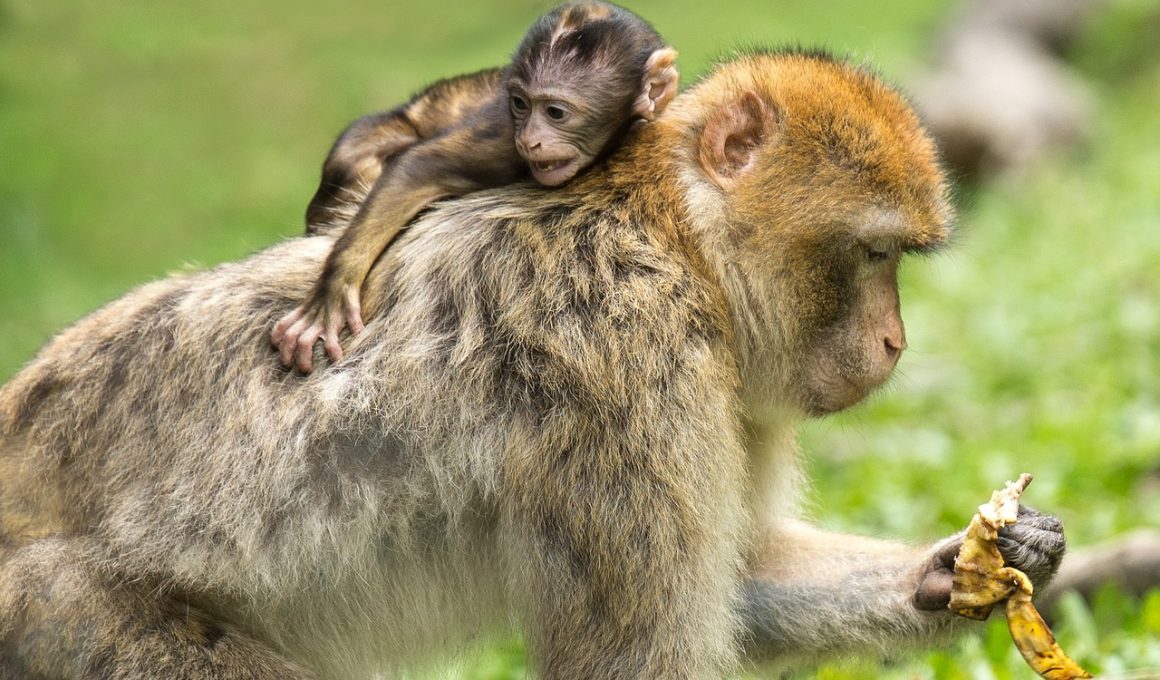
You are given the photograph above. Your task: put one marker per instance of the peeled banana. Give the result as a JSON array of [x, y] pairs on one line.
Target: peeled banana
[[981, 581]]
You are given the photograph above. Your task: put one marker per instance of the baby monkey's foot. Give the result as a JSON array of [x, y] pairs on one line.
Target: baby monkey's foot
[[324, 316]]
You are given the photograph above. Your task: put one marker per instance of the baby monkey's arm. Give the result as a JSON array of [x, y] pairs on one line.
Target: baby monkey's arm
[[477, 155]]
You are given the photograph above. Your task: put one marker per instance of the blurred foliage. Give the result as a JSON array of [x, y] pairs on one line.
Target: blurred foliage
[[138, 137]]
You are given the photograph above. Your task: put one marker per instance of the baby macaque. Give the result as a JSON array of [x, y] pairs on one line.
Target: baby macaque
[[583, 75]]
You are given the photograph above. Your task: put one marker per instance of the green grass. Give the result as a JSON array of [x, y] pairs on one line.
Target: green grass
[[137, 138]]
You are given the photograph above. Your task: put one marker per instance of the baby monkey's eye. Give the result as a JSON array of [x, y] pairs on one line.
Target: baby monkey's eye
[[556, 113], [519, 104]]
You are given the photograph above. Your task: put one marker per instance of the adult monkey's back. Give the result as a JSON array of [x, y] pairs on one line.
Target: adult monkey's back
[[572, 409]]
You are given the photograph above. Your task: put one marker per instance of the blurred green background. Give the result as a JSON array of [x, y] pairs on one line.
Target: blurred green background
[[139, 137]]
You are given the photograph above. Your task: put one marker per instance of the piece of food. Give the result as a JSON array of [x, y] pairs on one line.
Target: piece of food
[[981, 581]]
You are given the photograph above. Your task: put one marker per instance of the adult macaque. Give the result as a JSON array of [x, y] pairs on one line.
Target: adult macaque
[[572, 410], [582, 76]]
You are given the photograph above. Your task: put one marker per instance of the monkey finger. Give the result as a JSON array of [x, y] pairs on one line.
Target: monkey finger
[[333, 347], [290, 341], [945, 552], [284, 324], [331, 327], [354, 311], [305, 348]]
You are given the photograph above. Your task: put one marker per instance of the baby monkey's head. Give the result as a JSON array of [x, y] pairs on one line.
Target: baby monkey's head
[[582, 76]]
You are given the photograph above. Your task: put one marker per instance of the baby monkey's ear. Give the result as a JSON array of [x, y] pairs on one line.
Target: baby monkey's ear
[[660, 84]]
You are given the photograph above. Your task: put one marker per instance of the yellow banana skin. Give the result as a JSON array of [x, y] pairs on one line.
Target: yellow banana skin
[[981, 582]]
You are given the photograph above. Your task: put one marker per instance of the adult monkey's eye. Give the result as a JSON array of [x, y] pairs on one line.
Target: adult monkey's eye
[[877, 249], [556, 113], [519, 104]]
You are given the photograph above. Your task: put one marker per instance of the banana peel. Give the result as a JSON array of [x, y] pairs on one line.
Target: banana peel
[[981, 581]]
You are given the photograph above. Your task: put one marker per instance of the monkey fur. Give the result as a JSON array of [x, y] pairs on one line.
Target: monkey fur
[[571, 412]]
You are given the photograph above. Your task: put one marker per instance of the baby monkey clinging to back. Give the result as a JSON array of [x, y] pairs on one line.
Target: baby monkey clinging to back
[[582, 76]]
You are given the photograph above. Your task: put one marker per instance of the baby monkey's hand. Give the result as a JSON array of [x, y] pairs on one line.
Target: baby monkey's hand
[[328, 310]]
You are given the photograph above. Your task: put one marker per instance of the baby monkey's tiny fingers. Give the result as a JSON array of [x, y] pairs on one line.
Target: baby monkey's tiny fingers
[[284, 325]]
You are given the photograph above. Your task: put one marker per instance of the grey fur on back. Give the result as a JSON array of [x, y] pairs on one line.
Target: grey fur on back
[[283, 499]]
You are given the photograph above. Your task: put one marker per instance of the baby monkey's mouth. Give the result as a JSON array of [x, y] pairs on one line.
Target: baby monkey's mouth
[[548, 166], [555, 171]]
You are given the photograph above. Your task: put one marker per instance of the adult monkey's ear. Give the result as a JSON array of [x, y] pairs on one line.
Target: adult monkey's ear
[[660, 84], [733, 136]]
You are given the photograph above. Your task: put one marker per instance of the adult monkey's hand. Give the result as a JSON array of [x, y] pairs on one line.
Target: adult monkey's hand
[[981, 580]]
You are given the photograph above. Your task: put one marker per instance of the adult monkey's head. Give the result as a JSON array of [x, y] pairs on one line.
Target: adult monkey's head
[[812, 179]]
